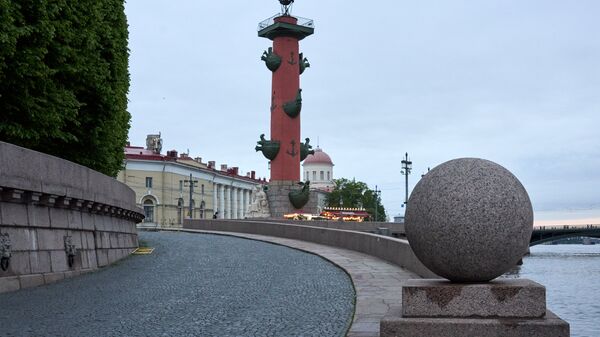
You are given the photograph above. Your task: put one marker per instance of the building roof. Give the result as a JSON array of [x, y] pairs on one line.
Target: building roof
[[320, 157], [137, 150], [139, 153]]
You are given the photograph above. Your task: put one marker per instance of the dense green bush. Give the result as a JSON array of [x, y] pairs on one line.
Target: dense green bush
[[356, 194], [64, 79]]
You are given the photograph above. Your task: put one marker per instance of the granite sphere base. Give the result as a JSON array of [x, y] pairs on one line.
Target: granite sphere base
[[549, 326], [503, 308], [469, 220], [502, 298]]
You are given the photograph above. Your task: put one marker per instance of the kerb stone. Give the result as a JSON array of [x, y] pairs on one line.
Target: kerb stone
[[9, 284], [53, 277], [33, 280]]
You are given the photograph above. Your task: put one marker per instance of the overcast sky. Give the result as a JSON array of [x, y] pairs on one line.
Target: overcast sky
[[513, 81]]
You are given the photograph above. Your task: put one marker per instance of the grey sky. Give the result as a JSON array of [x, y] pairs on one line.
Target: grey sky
[[513, 81]]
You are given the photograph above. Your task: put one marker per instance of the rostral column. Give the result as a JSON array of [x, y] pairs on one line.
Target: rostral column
[[285, 149]]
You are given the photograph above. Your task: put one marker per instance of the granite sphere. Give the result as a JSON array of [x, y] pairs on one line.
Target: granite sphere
[[469, 220]]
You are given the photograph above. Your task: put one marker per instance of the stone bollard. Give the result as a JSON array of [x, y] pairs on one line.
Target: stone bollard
[[470, 220]]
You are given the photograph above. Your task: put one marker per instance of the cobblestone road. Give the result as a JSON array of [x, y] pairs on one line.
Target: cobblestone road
[[192, 285]]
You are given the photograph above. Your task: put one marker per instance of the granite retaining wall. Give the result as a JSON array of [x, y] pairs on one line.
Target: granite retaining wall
[[59, 219], [396, 251], [394, 229]]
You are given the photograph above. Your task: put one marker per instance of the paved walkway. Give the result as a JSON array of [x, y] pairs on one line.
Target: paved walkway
[[194, 285], [378, 284]]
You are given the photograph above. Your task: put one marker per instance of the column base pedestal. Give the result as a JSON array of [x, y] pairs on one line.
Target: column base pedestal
[[279, 201]]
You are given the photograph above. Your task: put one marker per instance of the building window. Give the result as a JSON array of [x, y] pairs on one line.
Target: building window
[[314, 175], [181, 186], [148, 182], [328, 175], [202, 206], [180, 211], [322, 175], [149, 210], [306, 176], [202, 188]]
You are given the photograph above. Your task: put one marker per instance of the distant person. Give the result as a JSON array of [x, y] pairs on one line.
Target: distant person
[[216, 215]]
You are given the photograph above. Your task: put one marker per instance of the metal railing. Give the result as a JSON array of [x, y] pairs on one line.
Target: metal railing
[[304, 22], [558, 227]]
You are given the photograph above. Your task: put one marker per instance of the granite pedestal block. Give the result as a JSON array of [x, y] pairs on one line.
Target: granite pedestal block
[[549, 326], [502, 308], [509, 298], [279, 200]]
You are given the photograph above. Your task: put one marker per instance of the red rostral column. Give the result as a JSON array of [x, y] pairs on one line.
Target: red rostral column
[[286, 63]]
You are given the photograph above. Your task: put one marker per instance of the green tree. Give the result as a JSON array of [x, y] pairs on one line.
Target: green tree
[[356, 194], [64, 79]]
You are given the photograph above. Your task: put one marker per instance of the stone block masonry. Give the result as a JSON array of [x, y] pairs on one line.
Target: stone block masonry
[[46, 201], [279, 201]]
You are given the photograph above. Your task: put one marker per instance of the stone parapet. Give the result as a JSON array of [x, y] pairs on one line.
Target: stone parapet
[[60, 218], [27, 170], [395, 229]]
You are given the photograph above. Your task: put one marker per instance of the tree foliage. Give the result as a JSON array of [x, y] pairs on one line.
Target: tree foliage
[[356, 194], [64, 79]]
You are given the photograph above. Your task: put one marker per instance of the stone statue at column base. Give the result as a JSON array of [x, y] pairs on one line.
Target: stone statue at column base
[[259, 207]]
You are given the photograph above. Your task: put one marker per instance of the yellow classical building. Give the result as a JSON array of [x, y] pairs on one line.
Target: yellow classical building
[[173, 187]]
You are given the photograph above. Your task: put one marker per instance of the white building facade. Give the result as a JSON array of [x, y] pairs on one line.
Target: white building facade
[[162, 186], [318, 169]]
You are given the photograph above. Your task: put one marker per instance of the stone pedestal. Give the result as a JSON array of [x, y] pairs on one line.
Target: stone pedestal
[[507, 308], [279, 201]]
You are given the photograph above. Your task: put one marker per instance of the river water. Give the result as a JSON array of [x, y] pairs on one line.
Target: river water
[[571, 274]]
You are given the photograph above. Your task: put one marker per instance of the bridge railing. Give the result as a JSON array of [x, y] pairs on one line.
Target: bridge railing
[[558, 227]]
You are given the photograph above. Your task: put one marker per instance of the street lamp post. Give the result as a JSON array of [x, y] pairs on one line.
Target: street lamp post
[[340, 218], [192, 183], [377, 192], [406, 168]]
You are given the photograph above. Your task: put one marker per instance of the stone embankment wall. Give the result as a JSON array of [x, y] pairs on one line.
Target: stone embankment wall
[[396, 251], [53, 212], [394, 229]]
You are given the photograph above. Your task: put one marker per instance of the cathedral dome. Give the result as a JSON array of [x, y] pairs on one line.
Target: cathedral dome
[[319, 157]]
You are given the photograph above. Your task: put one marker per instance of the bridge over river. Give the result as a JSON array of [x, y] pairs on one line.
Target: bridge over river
[[542, 234]]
